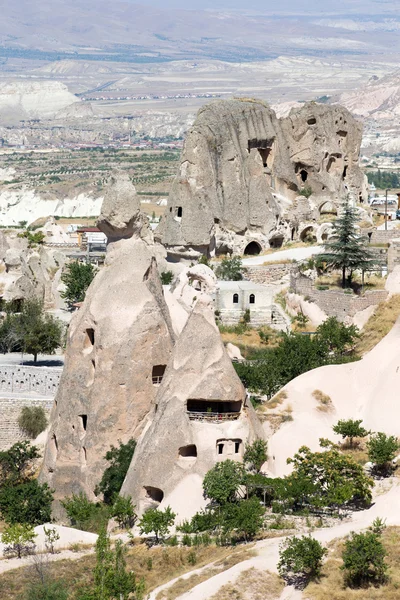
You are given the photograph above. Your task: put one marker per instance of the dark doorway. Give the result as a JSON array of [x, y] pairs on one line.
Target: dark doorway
[[252, 249]]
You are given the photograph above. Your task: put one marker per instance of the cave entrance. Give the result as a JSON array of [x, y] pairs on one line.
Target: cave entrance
[[276, 241], [154, 493], [252, 249]]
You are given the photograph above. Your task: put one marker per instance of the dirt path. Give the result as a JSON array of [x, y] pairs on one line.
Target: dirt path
[[385, 506]]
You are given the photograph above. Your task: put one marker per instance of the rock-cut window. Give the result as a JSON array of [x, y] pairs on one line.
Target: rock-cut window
[[179, 211], [235, 298], [252, 299]]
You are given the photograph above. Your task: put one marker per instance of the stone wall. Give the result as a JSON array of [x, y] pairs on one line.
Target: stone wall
[[335, 303], [10, 409], [380, 236], [394, 254], [267, 273], [26, 380]]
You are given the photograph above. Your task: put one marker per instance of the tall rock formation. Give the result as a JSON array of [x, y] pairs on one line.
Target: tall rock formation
[[118, 343], [245, 177], [201, 416]]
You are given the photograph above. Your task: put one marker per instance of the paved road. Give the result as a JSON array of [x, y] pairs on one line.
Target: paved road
[[291, 254], [44, 360]]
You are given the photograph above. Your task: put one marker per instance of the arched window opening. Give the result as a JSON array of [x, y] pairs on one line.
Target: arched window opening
[[235, 298], [303, 175], [252, 299]]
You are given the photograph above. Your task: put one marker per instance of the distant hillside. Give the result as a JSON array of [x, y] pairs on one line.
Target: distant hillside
[[128, 32]]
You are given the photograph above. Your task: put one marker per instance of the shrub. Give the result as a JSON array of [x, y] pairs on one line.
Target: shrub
[[32, 420], [255, 455], [364, 559], [350, 429], [306, 191], [114, 475], [382, 449], [222, 482], [166, 277], [230, 269], [85, 515], [157, 521], [18, 539], [124, 512], [47, 590], [300, 559]]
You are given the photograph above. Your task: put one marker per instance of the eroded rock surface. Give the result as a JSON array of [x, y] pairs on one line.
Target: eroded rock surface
[[248, 180], [201, 416]]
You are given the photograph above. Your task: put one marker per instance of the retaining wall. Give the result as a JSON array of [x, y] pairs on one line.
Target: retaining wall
[[335, 303], [20, 379], [10, 409], [267, 273]]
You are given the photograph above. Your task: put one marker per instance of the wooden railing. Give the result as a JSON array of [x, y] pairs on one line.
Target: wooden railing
[[213, 417]]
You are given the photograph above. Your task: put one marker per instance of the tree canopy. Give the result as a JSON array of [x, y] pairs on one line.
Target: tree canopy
[[77, 277], [346, 249]]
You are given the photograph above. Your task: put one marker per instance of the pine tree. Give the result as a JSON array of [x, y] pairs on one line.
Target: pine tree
[[347, 250]]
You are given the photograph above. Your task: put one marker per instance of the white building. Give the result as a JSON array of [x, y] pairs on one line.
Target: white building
[[233, 298]]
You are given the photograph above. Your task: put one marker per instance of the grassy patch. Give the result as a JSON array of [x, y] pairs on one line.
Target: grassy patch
[[324, 401], [276, 400], [331, 584], [184, 585], [252, 585], [156, 565], [379, 324], [249, 340]]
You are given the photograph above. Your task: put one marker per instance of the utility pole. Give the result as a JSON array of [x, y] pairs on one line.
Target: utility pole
[[386, 194]]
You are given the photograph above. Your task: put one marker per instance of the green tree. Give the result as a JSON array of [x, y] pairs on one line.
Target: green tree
[[39, 333], [28, 502], [32, 420], [51, 537], [255, 455], [222, 482], [111, 579], [123, 511], [300, 559], [350, 429], [18, 539], [332, 478], [17, 463], [346, 249], [113, 477], [382, 449], [364, 559], [245, 517], [157, 521], [338, 337], [77, 277], [230, 269]]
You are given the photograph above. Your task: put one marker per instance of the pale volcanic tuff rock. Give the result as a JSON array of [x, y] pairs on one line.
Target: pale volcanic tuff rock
[[242, 170], [120, 212], [175, 451], [115, 340]]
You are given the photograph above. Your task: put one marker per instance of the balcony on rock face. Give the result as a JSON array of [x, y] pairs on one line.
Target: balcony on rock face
[[213, 411]]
